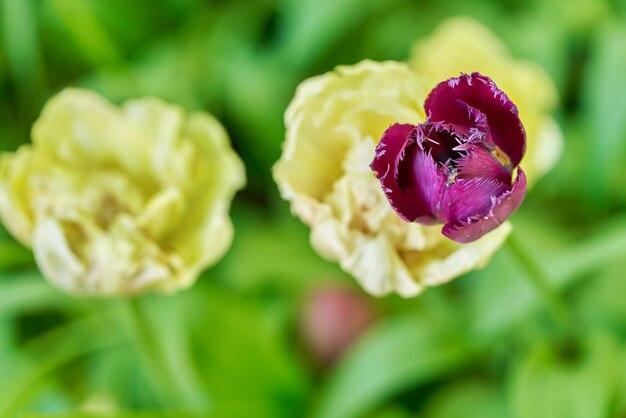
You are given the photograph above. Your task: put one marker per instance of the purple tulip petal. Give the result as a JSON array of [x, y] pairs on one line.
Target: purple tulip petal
[[452, 101], [388, 149], [467, 198], [391, 163], [479, 129], [503, 207], [478, 162], [423, 180]]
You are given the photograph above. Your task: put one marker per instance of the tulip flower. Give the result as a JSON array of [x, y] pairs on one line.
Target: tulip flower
[[460, 166]]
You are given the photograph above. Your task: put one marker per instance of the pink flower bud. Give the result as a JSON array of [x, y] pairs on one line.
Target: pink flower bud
[[333, 318]]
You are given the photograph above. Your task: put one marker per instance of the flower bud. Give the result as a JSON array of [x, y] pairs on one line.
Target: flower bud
[[332, 320]]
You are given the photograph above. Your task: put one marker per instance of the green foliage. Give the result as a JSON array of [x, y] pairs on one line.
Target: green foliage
[[605, 109], [482, 346], [471, 398], [579, 381], [401, 352]]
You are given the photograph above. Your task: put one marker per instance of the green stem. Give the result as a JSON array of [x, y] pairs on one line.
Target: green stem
[[141, 332], [542, 284]]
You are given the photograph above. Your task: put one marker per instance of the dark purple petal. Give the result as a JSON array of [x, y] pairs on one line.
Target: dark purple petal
[[423, 180], [479, 131], [391, 163], [467, 198], [460, 101], [478, 162], [388, 149], [503, 207]]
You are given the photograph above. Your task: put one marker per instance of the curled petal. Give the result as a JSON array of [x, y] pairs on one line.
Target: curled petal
[[425, 181], [402, 168], [388, 149], [502, 208], [455, 101]]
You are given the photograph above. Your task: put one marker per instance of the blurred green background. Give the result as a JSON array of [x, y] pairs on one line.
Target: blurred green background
[[240, 342]]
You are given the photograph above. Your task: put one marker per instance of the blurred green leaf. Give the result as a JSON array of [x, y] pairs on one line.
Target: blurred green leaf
[[601, 301], [282, 238], [257, 91], [605, 245], [49, 353], [174, 337], [542, 39], [119, 375], [393, 411], [467, 399], [621, 370], [86, 31], [231, 409], [605, 105], [21, 43], [312, 26], [241, 352], [26, 291], [400, 353], [156, 73], [141, 332], [501, 296], [555, 384]]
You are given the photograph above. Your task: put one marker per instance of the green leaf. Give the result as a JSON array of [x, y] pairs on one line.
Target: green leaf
[[141, 332], [26, 292], [231, 409], [257, 91], [621, 367], [501, 296], [21, 43], [313, 26], [260, 239], [402, 352], [467, 399], [239, 350], [601, 301], [86, 31], [392, 411], [606, 245], [605, 105], [551, 384], [25, 370]]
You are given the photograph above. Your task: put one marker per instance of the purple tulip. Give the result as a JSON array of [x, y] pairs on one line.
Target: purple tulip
[[458, 167]]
